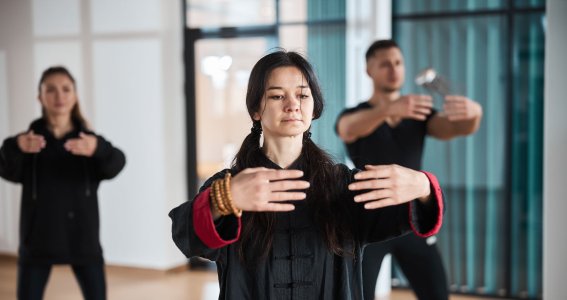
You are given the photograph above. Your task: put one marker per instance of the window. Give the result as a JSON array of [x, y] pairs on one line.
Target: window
[[224, 39], [493, 52]]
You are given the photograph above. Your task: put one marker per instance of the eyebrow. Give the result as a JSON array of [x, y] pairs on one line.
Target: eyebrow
[[281, 88]]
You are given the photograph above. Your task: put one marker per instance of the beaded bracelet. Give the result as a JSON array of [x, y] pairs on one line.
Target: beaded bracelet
[[218, 199], [228, 195], [221, 197]]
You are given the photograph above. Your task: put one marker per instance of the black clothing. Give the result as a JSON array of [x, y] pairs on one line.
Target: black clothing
[[59, 219], [299, 265], [420, 262], [402, 144], [32, 280]]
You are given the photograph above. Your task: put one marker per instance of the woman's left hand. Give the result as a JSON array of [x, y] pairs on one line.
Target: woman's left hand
[[389, 185], [84, 145]]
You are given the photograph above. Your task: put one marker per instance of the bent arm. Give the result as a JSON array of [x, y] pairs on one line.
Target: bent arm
[[196, 233], [426, 217], [11, 160], [108, 160], [423, 216], [354, 125], [441, 128]]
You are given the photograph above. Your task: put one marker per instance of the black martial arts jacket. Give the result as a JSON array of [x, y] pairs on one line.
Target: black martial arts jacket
[[299, 265]]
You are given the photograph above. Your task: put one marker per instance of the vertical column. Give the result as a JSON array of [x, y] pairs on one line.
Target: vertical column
[[555, 147]]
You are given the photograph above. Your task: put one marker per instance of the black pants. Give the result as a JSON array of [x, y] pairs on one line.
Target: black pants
[[420, 262], [32, 280]]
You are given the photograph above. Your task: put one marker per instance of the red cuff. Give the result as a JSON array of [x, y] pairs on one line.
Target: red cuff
[[436, 190], [204, 224]]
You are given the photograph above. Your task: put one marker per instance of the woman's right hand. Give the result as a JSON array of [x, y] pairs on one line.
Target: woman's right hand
[[263, 189], [30, 142]]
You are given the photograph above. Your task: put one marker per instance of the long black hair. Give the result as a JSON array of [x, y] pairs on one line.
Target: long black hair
[[60, 70], [319, 168]]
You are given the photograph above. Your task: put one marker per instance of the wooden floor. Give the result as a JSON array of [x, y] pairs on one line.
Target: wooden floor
[[140, 284]]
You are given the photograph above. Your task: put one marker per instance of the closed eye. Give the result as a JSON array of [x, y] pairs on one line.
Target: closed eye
[[276, 97]]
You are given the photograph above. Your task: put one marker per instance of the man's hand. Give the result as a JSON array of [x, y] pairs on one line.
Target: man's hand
[[460, 108], [416, 107]]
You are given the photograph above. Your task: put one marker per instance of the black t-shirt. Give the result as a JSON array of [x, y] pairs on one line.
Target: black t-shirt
[[402, 144]]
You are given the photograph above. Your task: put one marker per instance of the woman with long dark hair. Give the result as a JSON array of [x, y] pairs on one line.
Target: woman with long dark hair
[[286, 222], [60, 163]]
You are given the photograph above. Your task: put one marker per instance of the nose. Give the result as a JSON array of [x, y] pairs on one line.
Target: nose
[[57, 95], [293, 104]]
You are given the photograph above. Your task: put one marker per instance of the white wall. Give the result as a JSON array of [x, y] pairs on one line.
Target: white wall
[[555, 147], [127, 58]]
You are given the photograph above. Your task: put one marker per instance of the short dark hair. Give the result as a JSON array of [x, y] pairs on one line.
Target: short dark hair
[[380, 45]]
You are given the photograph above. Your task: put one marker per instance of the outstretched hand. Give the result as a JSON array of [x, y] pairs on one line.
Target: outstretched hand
[[416, 107], [389, 185], [30, 142], [460, 108], [262, 189], [84, 145]]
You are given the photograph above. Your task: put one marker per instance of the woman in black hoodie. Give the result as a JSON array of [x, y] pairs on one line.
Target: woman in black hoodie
[[59, 163]]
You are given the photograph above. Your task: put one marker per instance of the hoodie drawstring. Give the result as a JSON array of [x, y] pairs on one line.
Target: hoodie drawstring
[[34, 178], [87, 178]]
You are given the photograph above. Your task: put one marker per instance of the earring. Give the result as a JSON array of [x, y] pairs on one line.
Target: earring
[[256, 128]]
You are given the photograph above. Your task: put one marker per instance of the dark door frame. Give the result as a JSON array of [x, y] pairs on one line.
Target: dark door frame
[[190, 38]]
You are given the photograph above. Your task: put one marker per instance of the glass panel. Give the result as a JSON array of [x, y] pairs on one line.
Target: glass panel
[[293, 10], [326, 10], [470, 55], [222, 70], [294, 37], [527, 156], [229, 13], [311, 10], [429, 6], [110, 16], [529, 3], [56, 18]]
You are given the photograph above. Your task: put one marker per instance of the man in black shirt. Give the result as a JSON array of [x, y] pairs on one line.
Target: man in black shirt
[[390, 128]]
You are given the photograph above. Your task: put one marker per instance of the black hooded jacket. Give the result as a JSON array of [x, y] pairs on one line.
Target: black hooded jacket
[[59, 218]]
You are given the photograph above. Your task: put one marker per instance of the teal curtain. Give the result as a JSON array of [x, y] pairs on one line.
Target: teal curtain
[[428, 6], [471, 169], [326, 49], [527, 156], [492, 236]]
